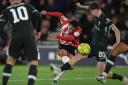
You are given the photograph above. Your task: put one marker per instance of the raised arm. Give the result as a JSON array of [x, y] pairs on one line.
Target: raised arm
[[111, 26], [36, 20], [57, 14], [82, 6], [63, 19], [117, 35]]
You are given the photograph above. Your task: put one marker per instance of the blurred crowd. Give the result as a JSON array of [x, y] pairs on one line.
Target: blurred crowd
[[117, 10]]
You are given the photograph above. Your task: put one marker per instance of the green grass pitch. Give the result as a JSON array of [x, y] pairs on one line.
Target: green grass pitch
[[79, 76]]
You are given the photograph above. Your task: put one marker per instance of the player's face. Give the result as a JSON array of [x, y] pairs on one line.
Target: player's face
[[11, 1], [18, 1], [15, 1], [93, 12], [64, 18]]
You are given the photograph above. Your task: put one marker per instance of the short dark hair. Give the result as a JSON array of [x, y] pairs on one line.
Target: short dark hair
[[94, 6], [74, 23]]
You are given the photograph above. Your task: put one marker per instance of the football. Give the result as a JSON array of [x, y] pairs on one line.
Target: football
[[84, 49]]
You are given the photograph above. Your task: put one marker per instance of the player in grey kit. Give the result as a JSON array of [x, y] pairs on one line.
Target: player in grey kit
[[23, 19]]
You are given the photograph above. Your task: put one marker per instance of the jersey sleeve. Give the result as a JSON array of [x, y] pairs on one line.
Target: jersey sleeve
[[66, 37], [109, 24], [63, 19], [32, 10], [57, 14], [36, 18], [3, 20]]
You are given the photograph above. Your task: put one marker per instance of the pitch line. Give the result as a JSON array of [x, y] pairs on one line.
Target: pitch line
[[63, 79]]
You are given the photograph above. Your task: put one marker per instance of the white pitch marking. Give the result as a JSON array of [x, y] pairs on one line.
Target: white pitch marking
[[60, 79]]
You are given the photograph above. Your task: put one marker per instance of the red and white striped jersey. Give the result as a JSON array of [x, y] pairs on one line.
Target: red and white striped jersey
[[70, 41], [65, 31], [67, 36]]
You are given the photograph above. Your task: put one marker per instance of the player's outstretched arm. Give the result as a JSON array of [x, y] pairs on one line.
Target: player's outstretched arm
[[63, 19], [117, 35], [57, 14], [66, 37], [82, 6]]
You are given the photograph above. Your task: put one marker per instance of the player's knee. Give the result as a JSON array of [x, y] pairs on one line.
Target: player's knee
[[10, 60], [63, 53], [33, 62], [101, 60]]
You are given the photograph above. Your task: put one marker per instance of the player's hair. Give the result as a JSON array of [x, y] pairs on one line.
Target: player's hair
[[94, 6], [74, 23]]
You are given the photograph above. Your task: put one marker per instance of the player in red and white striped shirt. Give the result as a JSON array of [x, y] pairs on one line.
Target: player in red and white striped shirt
[[68, 38]]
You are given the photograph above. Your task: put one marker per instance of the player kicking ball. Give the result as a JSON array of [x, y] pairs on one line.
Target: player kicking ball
[[102, 27], [68, 39], [83, 50]]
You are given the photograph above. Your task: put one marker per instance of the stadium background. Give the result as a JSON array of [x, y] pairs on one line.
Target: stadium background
[[117, 10]]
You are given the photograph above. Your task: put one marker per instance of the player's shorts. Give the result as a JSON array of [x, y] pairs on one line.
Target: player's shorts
[[25, 44], [100, 52], [69, 48]]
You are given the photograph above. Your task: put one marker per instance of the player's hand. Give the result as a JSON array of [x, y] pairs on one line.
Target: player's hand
[[38, 35], [43, 12], [82, 6], [52, 35], [78, 4]]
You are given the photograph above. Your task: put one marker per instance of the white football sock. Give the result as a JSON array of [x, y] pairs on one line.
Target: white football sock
[[65, 59]]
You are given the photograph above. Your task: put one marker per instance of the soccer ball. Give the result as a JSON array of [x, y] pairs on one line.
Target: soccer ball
[[84, 49]]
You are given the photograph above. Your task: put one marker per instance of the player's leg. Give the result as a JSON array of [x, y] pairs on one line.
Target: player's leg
[[66, 52], [68, 65], [7, 70], [65, 58], [64, 55], [58, 72], [111, 75], [31, 52], [100, 67], [122, 47], [101, 58], [115, 76], [13, 52], [32, 74], [101, 63], [75, 59]]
